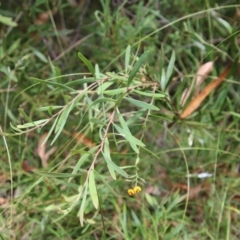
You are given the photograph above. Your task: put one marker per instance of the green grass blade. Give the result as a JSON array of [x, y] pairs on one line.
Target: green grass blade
[[93, 189], [141, 104], [87, 63], [137, 66], [127, 58]]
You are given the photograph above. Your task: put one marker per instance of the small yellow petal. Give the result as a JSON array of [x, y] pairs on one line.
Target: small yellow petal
[[137, 189], [131, 192]]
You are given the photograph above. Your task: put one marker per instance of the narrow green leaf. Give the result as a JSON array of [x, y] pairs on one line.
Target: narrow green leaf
[[93, 189], [83, 178], [107, 184], [170, 68], [127, 58], [122, 122], [103, 86], [111, 171], [235, 114], [128, 136], [80, 81], [64, 116], [137, 66], [134, 147], [51, 83], [114, 166], [70, 199], [14, 128], [141, 104], [51, 130], [56, 175], [87, 63], [32, 124], [25, 115], [107, 157], [136, 116], [119, 100], [163, 79], [150, 94], [41, 109], [82, 208], [97, 121], [39, 55], [7, 21], [97, 71], [100, 100], [14, 46], [82, 160], [115, 77], [62, 121]]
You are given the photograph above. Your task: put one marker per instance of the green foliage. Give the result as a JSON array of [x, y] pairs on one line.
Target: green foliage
[[84, 120]]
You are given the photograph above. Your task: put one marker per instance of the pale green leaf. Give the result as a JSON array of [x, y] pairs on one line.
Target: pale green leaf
[[163, 80], [7, 21], [171, 65], [111, 171], [141, 104], [62, 120], [150, 94], [51, 130], [127, 58], [113, 92], [64, 116], [103, 86], [87, 63], [33, 124], [82, 208], [93, 189], [114, 166], [53, 84], [56, 175], [128, 136], [137, 66], [41, 109]]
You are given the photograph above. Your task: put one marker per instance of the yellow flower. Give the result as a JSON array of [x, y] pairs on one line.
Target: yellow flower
[[137, 189], [131, 192]]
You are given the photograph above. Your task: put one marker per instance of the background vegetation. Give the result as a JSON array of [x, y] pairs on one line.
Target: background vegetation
[[93, 103]]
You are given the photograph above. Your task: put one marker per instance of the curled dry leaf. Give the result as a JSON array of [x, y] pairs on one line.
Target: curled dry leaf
[[193, 192], [196, 102], [202, 73], [41, 150], [153, 190], [27, 167]]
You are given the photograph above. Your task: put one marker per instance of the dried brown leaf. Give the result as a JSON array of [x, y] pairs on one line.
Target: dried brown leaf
[[81, 138], [202, 73], [196, 102], [42, 18], [194, 192], [41, 150], [27, 167]]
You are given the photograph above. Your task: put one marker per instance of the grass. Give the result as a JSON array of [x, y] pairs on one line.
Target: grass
[[90, 104]]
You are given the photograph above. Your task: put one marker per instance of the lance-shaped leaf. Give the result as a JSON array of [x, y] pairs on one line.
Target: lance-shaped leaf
[[127, 58], [62, 120], [88, 64], [93, 189], [137, 66], [141, 104]]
